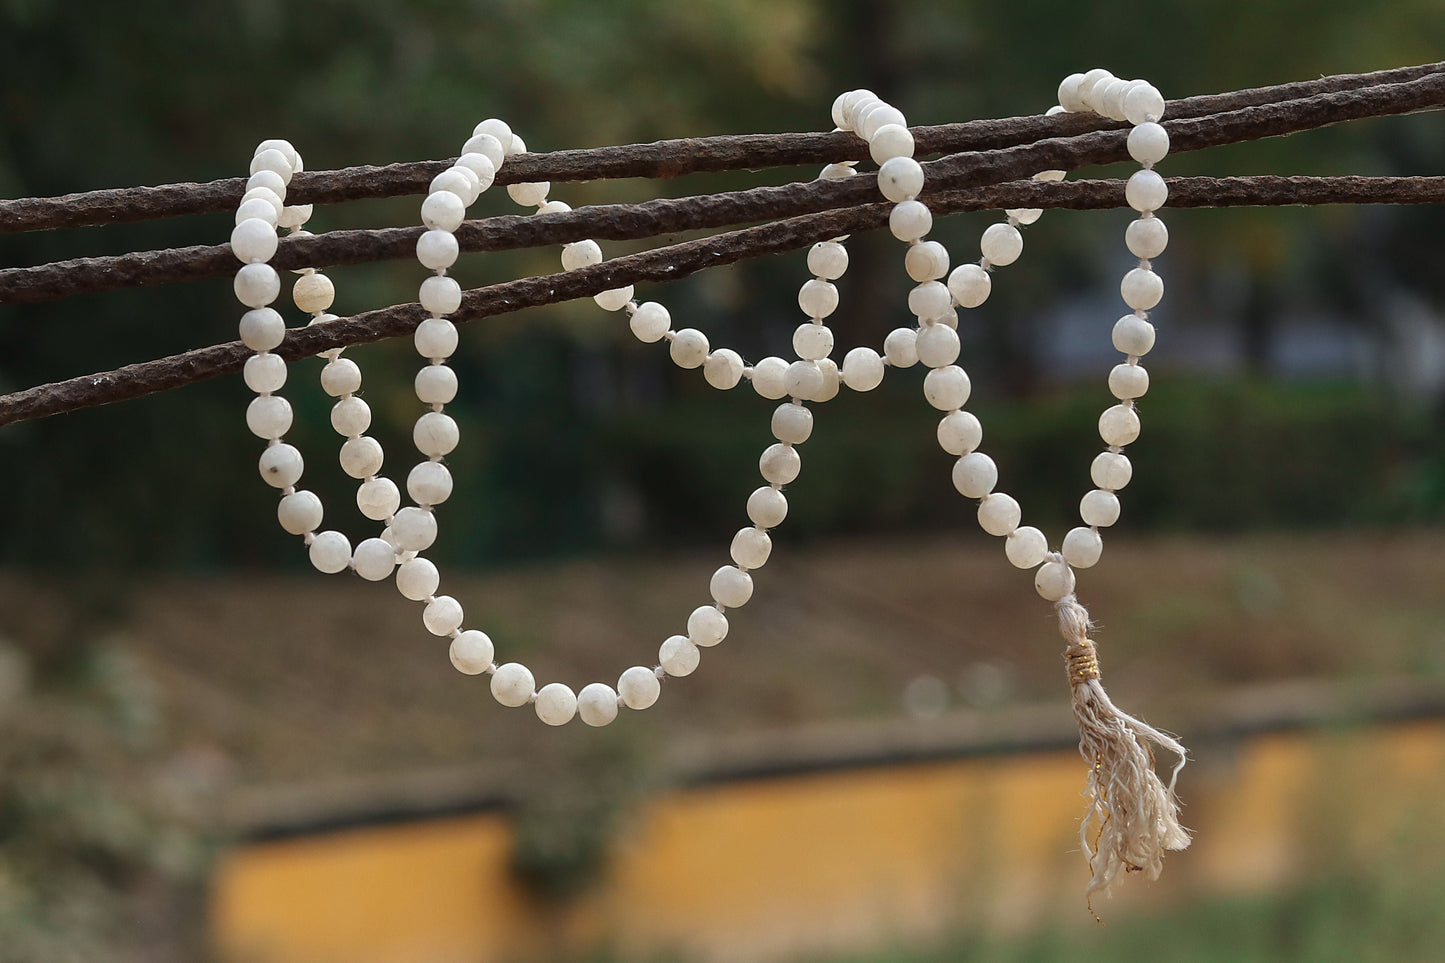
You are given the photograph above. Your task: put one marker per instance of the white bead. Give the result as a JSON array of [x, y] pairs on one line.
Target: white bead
[[518, 146], [1054, 580], [999, 514], [1146, 237], [959, 433], [1143, 104], [253, 240], [294, 216], [889, 143], [532, 194], [1026, 547], [270, 180], [264, 372], [1025, 215], [614, 300], [437, 250], [970, 285], [458, 180], [1099, 508], [413, 529], [828, 260], [350, 416], [556, 704], [900, 178], [435, 338], [975, 474], [1069, 93], [638, 687], [812, 342], [443, 211], [862, 369], [429, 483], [597, 704], [706, 625], [256, 285], [650, 322], [435, 434], [1128, 381], [929, 300], [818, 299], [1146, 191], [435, 384], [378, 498], [1001, 244], [770, 378], [731, 587], [926, 261], [499, 129], [723, 368], [554, 207], [910, 221], [417, 579], [581, 254], [838, 103], [299, 512], [341, 377], [488, 145], [1148, 143], [792, 424], [440, 295], [751, 548], [873, 121], [274, 160], [1119, 425], [374, 559], [832, 382], [330, 552], [262, 329], [689, 348], [1082, 547], [481, 167], [1090, 80], [678, 656], [901, 347], [471, 652], [936, 346], [804, 379], [1111, 470], [271, 219], [281, 465], [846, 104], [513, 685], [1141, 289], [442, 615], [1133, 335], [947, 388], [1111, 100], [836, 172], [361, 457], [780, 464], [767, 507], [313, 293]]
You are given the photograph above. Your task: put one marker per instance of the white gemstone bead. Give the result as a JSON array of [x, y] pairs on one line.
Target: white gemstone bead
[[499, 129], [1146, 237], [638, 687], [1091, 79], [429, 483], [513, 685], [491, 147], [417, 580], [435, 434], [472, 651], [459, 181], [262, 329], [929, 300], [828, 260], [1001, 244], [889, 143], [901, 178], [818, 299], [443, 211], [689, 348], [556, 704], [299, 512], [846, 106], [1025, 215], [792, 424], [330, 552], [1099, 508], [273, 160], [294, 216], [264, 372], [435, 384], [975, 474], [481, 167], [413, 529], [533, 194], [947, 388], [723, 368], [435, 338], [437, 250], [926, 261], [901, 347], [1111, 101], [770, 378], [1128, 381], [259, 208], [267, 195], [361, 457], [581, 254], [650, 322], [597, 704], [836, 172], [1119, 426], [1111, 470], [959, 433], [378, 499], [936, 345], [767, 507], [614, 300], [804, 379], [442, 615], [678, 656], [1141, 289], [873, 121], [706, 625], [1082, 547], [1133, 335], [999, 514], [1026, 547], [1069, 93], [1146, 191], [1054, 580], [281, 465], [970, 285], [813, 342], [554, 207], [253, 239], [832, 382], [780, 464], [313, 293], [350, 416], [270, 180], [341, 377], [256, 285], [440, 295], [862, 369], [1148, 143], [374, 559], [1143, 104], [910, 221], [751, 548], [731, 587]]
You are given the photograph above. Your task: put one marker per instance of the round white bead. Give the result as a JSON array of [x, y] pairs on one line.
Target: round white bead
[[970, 285], [490, 146], [1146, 191], [846, 105], [413, 529], [499, 129], [804, 379], [767, 507], [813, 342], [435, 434], [556, 704], [1099, 508], [313, 293], [828, 260], [581, 254], [294, 216], [533, 194], [614, 300], [262, 329], [975, 474], [1001, 244], [1054, 580], [678, 656], [1148, 143], [689, 348], [874, 120], [638, 687], [442, 615], [936, 346], [947, 388], [999, 514], [437, 250], [472, 651], [256, 285], [1111, 470], [1026, 547], [270, 180], [901, 347], [272, 159], [299, 512], [1146, 237], [253, 240], [836, 172], [435, 384], [264, 373], [513, 685], [1128, 381], [901, 178], [429, 483], [780, 464], [792, 424], [1143, 104], [378, 498], [832, 382], [281, 465], [959, 433], [731, 587], [341, 376], [374, 559], [267, 195], [1141, 289], [910, 221], [258, 209], [330, 552], [418, 579], [350, 416], [440, 295], [818, 299], [455, 180], [1119, 425], [1133, 336], [650, 322], [1111, 100], [1090, 80], [481, 167], [1025, 215], [706, 625], [361, 457], [597, 704], [929, 300], [770, 378], [443, 211], [926, 261], [1082, 547], [862, 369], [435, 338], [751, 548], [889, 143], [1069, 93], [723, 368]]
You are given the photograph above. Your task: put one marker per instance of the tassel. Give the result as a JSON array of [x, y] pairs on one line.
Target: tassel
[[1133, 816]]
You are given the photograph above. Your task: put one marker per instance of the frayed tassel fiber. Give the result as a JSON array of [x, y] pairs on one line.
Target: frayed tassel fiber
[[1133, 816]]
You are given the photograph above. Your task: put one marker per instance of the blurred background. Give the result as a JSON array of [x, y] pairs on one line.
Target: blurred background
[[210, 752]]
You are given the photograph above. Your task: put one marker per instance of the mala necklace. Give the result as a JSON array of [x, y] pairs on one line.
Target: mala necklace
[[1132, 815]]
